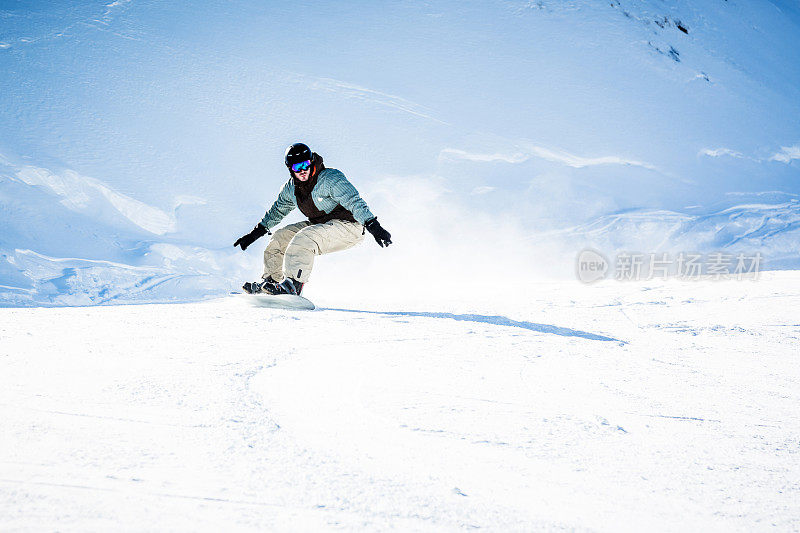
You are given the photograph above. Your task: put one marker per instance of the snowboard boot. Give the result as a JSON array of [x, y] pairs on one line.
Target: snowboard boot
[[267, 285], [290, 286]]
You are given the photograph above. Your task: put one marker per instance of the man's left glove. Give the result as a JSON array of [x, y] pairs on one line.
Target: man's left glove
[[382, 237], [258, 232]]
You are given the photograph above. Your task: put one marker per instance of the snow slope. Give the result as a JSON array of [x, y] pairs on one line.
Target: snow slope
[[656, 406]]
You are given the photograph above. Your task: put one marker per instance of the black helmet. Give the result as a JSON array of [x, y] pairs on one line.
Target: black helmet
[[297, 153]]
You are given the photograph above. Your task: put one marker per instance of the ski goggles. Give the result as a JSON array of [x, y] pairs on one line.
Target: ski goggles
[[299, 167]]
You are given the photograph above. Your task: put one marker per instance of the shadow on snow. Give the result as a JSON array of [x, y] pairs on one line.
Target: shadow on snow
[[484, 319]]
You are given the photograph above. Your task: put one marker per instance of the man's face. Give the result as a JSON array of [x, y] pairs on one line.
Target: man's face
[[302, 175], [302, 170]]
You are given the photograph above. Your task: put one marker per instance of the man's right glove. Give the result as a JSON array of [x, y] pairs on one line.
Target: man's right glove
[[382, 237], [258, 232]]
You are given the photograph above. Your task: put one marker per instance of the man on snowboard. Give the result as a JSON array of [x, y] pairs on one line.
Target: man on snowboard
[[337, 217]]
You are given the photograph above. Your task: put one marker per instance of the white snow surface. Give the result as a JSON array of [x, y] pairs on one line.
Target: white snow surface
[[658, 406]]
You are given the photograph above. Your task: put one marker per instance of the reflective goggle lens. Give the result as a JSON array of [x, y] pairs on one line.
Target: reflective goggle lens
[[298, 167]]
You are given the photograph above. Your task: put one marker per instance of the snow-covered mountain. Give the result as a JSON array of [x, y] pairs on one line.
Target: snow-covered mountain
[[138, 135], [768, 223], [57, 224]]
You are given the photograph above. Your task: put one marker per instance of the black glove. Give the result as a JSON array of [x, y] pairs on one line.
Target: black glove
[[258, 232], [382, 237]]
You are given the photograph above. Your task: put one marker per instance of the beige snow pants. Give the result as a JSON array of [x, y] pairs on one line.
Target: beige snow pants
[[291, 250]]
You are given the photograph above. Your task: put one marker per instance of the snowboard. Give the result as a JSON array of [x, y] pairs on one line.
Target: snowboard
[[279, 301]]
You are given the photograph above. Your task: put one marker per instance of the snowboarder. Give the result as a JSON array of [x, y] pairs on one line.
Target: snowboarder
[[337, 218]]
